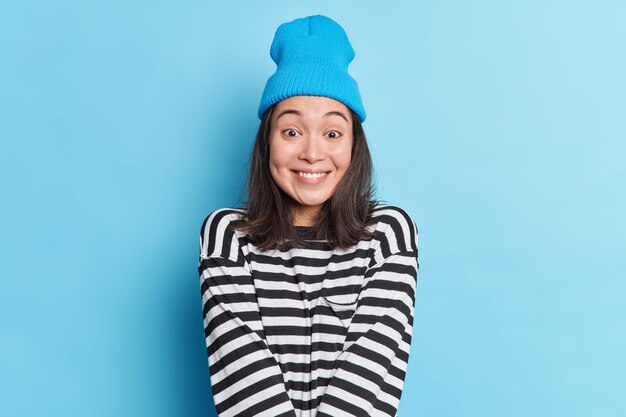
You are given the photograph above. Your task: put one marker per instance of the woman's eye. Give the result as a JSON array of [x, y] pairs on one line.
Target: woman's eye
[[333, 134], [291, 132]]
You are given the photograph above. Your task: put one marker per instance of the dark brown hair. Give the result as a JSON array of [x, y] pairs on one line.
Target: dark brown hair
[[343, 218]]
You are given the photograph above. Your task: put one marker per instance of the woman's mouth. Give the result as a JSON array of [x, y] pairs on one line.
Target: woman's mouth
[[312, 174], [311, 177]]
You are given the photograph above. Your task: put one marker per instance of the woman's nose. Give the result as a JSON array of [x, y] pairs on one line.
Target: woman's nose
[[312, 150]]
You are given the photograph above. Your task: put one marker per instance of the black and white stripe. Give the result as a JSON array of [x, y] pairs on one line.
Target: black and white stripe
[[311, 331]]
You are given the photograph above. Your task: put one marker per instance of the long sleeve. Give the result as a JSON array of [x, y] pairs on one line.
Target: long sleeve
[[245, 377], [370, 371]]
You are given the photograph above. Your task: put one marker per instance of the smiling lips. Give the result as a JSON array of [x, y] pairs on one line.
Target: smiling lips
[[311, 177]]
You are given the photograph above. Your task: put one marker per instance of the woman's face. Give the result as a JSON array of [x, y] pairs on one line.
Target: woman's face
[[310, 150]]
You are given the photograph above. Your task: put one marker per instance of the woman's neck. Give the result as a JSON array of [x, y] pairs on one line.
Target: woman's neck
[[305, 215]]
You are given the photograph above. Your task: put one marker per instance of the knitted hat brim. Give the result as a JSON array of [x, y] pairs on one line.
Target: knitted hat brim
[[324, 82]]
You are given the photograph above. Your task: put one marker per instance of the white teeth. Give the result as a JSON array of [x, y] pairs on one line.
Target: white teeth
[[312, 174]]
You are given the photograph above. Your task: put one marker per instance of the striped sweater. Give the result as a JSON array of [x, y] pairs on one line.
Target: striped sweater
[[310, 331]]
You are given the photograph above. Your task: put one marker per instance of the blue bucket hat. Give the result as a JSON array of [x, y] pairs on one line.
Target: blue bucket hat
[[312, 55]]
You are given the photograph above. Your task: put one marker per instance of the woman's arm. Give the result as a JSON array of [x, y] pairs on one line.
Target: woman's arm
[[369, 374], [245, 377]]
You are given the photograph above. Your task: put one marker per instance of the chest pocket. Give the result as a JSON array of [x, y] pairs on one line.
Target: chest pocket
[[342, 301], [340, 293], [339, 308]]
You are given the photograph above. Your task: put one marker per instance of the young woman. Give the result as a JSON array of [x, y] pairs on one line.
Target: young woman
[[308, 291]]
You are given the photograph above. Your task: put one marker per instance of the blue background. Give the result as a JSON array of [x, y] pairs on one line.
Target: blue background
[[498, 125]]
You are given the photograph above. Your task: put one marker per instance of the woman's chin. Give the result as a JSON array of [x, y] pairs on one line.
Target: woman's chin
[[310, 203]]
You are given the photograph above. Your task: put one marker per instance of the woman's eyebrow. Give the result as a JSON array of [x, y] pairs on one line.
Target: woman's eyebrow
[[298, 113], [336, 113], [289, 111]]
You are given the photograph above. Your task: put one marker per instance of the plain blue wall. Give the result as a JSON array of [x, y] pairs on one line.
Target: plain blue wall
[[499, 126]]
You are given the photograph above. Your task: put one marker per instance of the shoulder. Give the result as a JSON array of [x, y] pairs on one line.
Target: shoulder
[[395, 229], [217, 234]]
